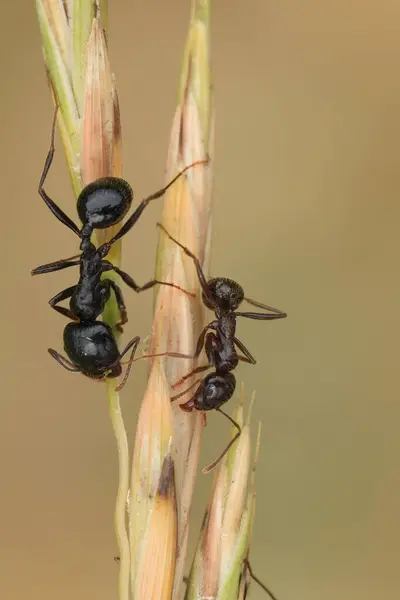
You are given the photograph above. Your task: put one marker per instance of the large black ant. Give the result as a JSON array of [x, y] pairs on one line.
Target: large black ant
[[223, 296], [90, 344]]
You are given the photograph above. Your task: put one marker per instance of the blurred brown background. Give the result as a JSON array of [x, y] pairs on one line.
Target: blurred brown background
[[307, 218]]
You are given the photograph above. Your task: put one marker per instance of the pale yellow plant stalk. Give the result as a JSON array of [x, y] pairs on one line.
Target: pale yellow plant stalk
[[178, 321], [223, 546], [100, 157], [83, 87], [152, 506]]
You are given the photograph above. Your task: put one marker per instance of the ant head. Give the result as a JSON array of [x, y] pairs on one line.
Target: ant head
[[214, 391], [92, 347], [104, 202], [226, 294]]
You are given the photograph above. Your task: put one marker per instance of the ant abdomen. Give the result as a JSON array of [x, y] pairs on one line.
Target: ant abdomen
[[104, 202], [225, 293], [92, 348], [214, 391]]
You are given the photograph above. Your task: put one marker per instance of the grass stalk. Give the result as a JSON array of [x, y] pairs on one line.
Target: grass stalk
[[123, 487], [218, 567], [82, 85], [177, 319]]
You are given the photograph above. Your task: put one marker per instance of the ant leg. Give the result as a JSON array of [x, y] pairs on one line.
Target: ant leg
[[59, 298], [200, 341], [264, 587], [200, 272], [188, 376], [247, 356], [105, 286], [56, 210], [136, 215], [210, 347], [132, 344], [170, 354], [64, 362], [141, 288], [233, 440], [189, 405], [120, 302], [55, 266]]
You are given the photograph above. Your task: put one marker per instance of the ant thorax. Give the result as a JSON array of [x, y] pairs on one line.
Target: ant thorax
[[226, 325]]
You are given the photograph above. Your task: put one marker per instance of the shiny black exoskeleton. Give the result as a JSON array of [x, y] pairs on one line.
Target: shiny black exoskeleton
[[101, 204], [223, 296], [93, 351], [104, 202]]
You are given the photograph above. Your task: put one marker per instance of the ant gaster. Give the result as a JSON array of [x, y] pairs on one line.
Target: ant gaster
[[90, 344], [223, 296]]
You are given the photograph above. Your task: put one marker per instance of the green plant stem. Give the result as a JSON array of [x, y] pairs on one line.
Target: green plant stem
[[123, 488]]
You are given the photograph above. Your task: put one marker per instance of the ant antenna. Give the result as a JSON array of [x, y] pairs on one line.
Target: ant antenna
[[53, 127], [264, 306], [128, 369], [264, 587], [233, 440]]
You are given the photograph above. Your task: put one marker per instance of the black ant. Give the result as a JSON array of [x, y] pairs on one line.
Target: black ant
[[223, 296], [90, 344]]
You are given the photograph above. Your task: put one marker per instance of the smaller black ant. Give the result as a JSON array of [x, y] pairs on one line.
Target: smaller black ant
[[223, 296], [90, 344]]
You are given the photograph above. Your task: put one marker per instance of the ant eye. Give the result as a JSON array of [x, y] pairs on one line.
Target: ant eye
[[211, 396], [211, 391]]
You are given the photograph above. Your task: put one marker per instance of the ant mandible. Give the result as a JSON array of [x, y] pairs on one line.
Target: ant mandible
[[223, 296], [90, 344]]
